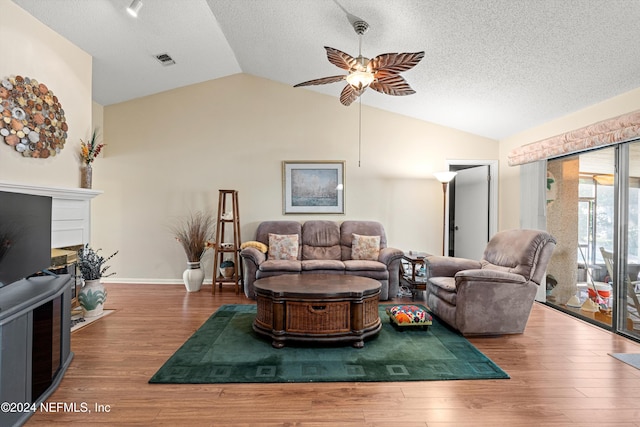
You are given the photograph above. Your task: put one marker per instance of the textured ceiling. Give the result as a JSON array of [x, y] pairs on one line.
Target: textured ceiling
[[492, 67]]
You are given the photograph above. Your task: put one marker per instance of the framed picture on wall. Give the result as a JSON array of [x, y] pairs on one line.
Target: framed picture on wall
[[313, 187]]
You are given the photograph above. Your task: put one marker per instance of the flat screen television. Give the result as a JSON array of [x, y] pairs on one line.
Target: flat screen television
[[25, 235]]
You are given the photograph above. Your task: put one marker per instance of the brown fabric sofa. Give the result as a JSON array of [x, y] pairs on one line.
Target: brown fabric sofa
[[493, 296], [324, 247]]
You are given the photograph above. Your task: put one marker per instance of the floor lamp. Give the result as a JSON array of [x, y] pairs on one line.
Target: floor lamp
[[444, 178]]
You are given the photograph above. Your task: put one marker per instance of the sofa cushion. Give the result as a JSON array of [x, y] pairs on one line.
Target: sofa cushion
[[365, 247], [320, 240], [283, 246], [279, 227], [281, 265], [371, 269], [363, 228], [322, 264], [363, 265]]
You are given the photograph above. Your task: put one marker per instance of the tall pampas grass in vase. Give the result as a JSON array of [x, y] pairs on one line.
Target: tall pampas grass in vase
[[195, 233]]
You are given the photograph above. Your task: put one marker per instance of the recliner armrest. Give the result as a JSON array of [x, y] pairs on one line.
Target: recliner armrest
[[444, 266], [489, 275]]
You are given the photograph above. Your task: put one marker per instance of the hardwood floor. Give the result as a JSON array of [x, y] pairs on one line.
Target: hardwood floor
[[561, 375]]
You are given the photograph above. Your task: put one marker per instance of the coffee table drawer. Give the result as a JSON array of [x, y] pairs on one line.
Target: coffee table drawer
[[318, 317]]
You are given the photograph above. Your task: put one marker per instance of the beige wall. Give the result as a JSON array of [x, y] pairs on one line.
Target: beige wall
[[31, 49], [170, 153], [509, 192]]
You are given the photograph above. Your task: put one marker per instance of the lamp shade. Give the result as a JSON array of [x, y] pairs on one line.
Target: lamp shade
[[445, 176]]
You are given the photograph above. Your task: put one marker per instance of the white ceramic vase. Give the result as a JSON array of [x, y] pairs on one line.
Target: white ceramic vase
[[92, 297], [193, 277]]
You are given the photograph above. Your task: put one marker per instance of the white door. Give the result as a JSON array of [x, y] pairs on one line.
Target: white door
[[471, 212]]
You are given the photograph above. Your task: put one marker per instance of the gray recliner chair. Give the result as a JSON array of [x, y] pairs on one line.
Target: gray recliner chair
[[493, 296]]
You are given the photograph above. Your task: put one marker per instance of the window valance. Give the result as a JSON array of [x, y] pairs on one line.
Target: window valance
[[611, 131]]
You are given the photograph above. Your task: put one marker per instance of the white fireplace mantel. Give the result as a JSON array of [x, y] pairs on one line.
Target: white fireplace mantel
[[70, 211]]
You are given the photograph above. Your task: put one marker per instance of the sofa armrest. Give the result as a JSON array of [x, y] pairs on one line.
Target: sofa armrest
[[391, 258], [445, 266], [253, 255], [252, 258], [388, 255]]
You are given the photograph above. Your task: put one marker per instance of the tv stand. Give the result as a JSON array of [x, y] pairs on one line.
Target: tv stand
[[35, 343]]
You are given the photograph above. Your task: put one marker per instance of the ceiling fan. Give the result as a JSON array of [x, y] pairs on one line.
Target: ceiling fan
[[381, 73]]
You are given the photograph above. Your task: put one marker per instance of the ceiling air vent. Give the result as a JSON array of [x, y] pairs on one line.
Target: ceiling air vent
[[165, 59]]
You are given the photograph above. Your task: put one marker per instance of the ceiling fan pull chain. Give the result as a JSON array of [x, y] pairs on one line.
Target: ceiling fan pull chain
[[360, 131]]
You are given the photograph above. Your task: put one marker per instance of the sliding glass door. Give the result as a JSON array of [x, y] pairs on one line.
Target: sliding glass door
[[593, 210], [626, 278], [580, 214]]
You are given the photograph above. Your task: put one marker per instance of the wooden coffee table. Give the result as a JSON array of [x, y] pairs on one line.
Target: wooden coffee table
[[317, 307]]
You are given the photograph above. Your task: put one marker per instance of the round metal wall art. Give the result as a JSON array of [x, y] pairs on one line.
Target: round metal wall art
[[31, 118]]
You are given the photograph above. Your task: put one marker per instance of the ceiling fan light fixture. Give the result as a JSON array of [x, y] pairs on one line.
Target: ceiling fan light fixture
[[360, 79]]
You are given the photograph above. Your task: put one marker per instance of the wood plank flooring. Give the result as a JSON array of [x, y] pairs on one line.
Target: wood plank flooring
[[561, 375]]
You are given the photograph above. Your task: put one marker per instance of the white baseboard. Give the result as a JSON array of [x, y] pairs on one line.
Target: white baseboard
[[148, 281]]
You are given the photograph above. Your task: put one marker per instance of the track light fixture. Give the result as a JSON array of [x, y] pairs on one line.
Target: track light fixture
[[134, 8]]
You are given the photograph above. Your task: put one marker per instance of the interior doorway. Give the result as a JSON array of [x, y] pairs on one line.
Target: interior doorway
[[472, 216]]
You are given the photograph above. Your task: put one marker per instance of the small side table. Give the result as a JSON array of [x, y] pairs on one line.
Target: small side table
[[412, 261]]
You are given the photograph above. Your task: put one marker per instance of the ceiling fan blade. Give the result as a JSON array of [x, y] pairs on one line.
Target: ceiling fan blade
[[394, 85], [395, 62], [340, 59], [322, 81], [349, 94]]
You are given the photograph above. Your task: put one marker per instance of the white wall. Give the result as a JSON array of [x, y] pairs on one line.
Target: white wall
[[170, 153], [33, 50]]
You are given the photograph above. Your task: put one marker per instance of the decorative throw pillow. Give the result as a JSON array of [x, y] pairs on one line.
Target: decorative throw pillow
[[283, 246], [253, 244], [365, 247]]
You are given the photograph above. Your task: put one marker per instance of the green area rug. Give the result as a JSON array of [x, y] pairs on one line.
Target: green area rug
[[227, 350]]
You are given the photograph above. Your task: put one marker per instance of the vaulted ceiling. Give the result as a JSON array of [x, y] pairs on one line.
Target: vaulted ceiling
[[491, 67]]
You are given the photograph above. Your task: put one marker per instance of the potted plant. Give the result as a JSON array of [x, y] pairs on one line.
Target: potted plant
[[92, 268], [88, 152], [195, 233]]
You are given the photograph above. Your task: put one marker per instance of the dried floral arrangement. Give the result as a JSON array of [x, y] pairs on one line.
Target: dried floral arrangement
[[89, 150], [91, 264], [195, 233]]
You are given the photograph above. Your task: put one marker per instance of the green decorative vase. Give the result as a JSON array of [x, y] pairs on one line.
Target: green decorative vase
[[92, 297]]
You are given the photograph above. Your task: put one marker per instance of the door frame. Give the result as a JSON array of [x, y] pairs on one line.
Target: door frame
[[493, 195]]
